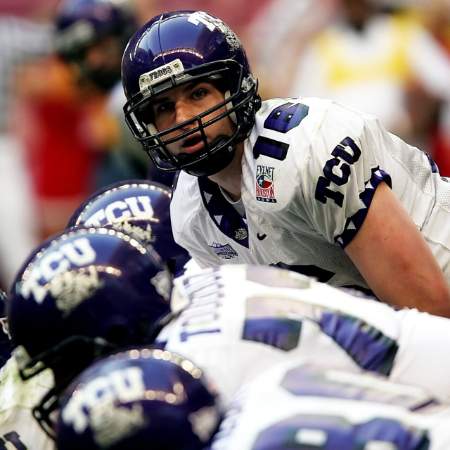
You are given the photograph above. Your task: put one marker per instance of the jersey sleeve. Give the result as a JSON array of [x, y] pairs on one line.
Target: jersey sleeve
[[345, 163]]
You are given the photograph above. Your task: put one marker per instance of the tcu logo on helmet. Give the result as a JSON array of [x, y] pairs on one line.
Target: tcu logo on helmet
[[93, 406], [77, 253], [204, 18], [136, 207], [201, 17]]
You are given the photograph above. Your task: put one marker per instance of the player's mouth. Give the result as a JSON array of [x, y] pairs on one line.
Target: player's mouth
[[193, 144]]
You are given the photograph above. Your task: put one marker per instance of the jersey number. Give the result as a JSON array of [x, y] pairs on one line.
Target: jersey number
[[281, 119]]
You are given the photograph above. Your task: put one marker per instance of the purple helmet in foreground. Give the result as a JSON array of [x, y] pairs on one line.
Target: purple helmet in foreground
[[80, 295], [182, 47], [140, 399], [139, 208]]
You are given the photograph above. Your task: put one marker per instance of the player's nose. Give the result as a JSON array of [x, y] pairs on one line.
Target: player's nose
[[183, 112]]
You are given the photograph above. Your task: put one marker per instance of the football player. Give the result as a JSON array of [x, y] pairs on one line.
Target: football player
[[80, 295], [236, 321], [17, 398], [90, 36], [139, 399], [91, 291], [300, 182], [294, 406], [18, 429]]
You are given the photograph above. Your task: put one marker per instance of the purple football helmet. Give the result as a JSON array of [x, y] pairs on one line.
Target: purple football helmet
[[82, 294], [139, 399], [184, 47], [81, 24], [139, 208]]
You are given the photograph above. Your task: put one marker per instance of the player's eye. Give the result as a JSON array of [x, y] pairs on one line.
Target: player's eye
[[199, 93], [146, 114], [164, 107]]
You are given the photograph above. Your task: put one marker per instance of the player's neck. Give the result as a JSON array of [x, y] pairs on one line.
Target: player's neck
[[229, 179]]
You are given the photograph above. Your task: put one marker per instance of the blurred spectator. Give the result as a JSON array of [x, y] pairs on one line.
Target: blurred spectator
[[436, 18], [368, 59], [61, 137], [279, 31], [90, 37], [20, 40]]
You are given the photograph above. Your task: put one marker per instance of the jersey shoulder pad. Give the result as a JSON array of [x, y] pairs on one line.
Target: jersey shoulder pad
[[17, 393], [276, 151]]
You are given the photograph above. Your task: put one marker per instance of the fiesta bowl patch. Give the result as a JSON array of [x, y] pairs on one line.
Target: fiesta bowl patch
[[264, 184]]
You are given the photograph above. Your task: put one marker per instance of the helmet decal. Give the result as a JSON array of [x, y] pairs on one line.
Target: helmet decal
[[161, 73], [42, 277], [212, 23]]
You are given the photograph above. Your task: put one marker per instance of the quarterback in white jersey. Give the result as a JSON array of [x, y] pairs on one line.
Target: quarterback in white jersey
[[296, 406], [235, 321], [304, 183], [18, 429], [298, 210]]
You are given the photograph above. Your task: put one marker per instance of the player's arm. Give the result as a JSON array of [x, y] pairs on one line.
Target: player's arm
[[395, 260]]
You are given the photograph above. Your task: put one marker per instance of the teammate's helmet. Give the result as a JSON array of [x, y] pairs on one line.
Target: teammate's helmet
[[84, 293], [80, 24], [181, 47], [139, 208], [139, 399]]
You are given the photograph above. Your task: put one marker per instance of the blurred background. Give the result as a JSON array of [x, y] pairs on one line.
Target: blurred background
[[62, 134]]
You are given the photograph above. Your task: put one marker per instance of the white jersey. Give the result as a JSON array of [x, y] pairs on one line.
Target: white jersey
[[240, 320], [18, 429], [310, 170], [294, 406]]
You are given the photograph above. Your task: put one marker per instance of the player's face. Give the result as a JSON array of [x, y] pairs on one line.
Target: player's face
[[184, 103]]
